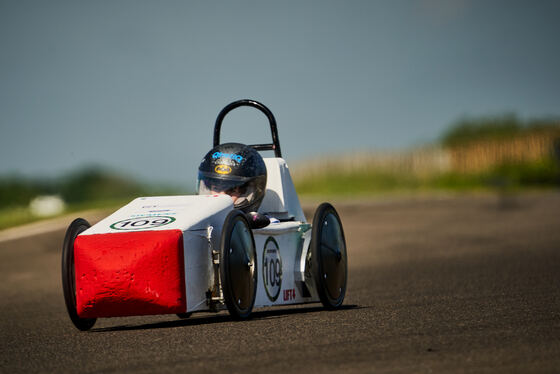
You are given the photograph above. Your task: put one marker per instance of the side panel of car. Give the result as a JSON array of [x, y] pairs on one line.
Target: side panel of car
[[281, 278], [199, 269]]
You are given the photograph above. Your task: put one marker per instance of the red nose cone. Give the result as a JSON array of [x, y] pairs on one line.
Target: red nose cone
[[130, 274]]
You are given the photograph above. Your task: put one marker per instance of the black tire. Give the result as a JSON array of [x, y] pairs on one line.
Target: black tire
[[184, 315], [77, 226], [238, 265], [329, 261]]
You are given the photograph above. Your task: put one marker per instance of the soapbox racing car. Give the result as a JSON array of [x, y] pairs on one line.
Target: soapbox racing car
[[185, 254]]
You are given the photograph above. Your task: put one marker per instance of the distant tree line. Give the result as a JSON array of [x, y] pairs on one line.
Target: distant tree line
[[92, 184], [502, 152], [86, 185], [471, 129]]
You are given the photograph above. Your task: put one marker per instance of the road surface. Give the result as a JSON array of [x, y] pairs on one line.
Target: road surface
[[436, 285]]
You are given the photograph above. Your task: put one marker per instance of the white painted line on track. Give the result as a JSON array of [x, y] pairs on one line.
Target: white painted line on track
[[50, 225]]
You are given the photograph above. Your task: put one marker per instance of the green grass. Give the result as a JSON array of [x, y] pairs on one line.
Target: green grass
[[15, 216], [10, 217], [517, 176]]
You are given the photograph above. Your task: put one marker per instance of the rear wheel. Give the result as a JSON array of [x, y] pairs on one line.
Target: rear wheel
[[77, 226], [328, 256], [238, 265]]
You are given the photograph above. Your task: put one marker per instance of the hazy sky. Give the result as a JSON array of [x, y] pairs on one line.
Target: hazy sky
[[137, 85]]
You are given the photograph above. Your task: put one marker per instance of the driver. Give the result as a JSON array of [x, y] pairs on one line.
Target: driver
[[239, 171]]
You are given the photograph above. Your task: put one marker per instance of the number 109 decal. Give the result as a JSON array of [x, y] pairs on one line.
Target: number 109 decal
[[140, 223], [272, 269]]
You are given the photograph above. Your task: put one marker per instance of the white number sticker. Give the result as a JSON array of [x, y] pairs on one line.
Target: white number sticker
[[142, 223]]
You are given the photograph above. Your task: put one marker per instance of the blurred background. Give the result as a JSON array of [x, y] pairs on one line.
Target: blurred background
[[102, 101]]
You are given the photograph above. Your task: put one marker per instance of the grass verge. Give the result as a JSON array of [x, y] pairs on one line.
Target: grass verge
[[505, 177], [16, 216]]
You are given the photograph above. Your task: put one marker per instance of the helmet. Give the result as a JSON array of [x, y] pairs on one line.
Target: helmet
[[235, 169]]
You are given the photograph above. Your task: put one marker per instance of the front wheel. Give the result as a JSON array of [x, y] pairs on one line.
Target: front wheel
[[238, 265], [77, 226], [328, 256]]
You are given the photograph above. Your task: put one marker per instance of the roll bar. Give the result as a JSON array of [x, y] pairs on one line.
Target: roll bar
[[274, 146]]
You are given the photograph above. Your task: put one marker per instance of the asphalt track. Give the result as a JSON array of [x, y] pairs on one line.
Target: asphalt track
[[444, 285]]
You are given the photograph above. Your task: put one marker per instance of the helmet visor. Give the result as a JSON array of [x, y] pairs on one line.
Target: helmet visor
[[211, 186], [244, 192]]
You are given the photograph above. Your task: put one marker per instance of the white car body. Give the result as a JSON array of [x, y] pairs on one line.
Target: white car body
[[281, 247], [183, 254]]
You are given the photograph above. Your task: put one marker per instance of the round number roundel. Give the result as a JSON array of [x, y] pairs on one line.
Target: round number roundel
[[142, 223], [272, 269]]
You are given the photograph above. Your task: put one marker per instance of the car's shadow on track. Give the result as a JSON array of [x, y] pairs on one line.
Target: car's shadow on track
[[221, 317]]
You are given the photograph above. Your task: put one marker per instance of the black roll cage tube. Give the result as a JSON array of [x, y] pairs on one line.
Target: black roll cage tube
[[274, 146]]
